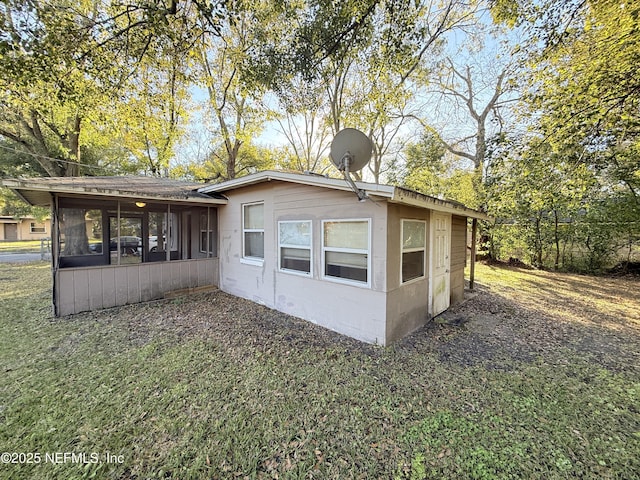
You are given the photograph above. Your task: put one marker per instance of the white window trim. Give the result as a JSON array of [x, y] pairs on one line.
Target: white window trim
[[208, 231], [346, 281], [410, 250], [252, 260]]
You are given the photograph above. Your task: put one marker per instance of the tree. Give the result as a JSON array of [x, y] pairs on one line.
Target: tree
[[234, 103], [152, 116], [65, 80], [460, 85], [582, 97], [250, 159], [362, 57], [305, 126], [553, 210], [583, 88], [468, 92], [428, 168]]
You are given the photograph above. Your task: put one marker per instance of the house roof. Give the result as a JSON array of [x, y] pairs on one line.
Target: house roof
[[12, 219], [37, 190], [391, 193]]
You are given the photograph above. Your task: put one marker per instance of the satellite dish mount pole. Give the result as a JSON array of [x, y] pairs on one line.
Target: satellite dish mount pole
[[351, 151], [344, 165]]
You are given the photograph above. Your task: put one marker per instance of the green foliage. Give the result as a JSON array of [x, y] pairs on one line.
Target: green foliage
[[68, 68], [251, 159], [11, 205], [445, 436], [430, 170], [554, 211]]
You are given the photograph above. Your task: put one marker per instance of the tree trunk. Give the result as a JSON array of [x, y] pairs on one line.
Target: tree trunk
[[538, 244], [74, 229], [557, 240]]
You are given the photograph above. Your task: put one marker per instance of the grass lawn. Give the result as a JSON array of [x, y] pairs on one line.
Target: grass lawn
[[537, 377], [23, 246]]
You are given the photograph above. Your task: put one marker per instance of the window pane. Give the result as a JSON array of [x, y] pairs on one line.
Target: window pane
[[129, 243], [295, 259], [412, 265], [352, 266], [81, 232], [157, 231], [346, 235], [254, 216], [295, 233], [254, 244], [413, 234], [37, 228], [204, 246]]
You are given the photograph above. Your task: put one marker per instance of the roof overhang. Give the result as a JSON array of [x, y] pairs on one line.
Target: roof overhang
[[409, 197], [303, 179], [390, 193], [40, 191]]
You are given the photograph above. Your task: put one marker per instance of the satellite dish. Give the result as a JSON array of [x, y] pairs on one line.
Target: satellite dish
[[351, 151]]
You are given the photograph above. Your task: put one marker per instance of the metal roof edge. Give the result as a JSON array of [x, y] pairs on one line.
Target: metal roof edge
[[17, 185], [416, 199], [300, 178], [391, 193]]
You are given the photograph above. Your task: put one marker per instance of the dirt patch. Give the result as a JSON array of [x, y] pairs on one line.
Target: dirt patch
[[499, 326]]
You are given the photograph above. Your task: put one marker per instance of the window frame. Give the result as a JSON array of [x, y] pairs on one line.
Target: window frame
[[114, 208], [259, 261], [366, 252], [413, 250], [207, 237], [299, 247], [34, 229]]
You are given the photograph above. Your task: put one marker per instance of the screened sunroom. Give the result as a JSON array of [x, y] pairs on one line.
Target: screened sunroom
[[119, 240]]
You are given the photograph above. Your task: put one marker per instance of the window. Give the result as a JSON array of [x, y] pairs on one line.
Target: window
[[125, 238], [253, 231], [81, 237], [413, 249], [294, 243], [38, 228], [117, 233], [206, 234], [345, 250]]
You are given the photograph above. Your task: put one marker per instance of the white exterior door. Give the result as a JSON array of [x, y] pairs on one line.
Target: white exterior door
[[439, 262]]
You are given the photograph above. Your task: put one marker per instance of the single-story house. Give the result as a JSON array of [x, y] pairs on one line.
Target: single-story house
[[24, 228], [303, 244]]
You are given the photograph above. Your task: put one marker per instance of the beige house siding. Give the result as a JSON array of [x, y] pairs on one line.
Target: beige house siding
[[357, 311], [21, 228], [92, 288], [383, 313], [458, 257], [407, 304]]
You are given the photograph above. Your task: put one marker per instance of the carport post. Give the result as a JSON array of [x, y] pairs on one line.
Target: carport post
[[472, 267]]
